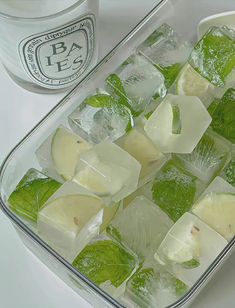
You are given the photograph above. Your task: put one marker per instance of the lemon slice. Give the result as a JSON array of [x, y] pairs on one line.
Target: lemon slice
[[69, 222], [218, 211], [190, 83], [66, 148]]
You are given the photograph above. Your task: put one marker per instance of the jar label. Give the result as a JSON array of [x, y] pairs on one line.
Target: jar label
[[56, 58]]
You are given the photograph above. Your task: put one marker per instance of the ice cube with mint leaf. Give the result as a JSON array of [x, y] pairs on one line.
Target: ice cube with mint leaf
[[141, 227], [101, 117], [167, 50], [223, 115], [136, 83], [154, 287], [214, 55], [209, 157], [189, 248], [31, 194], [175, 189], [107, 263]]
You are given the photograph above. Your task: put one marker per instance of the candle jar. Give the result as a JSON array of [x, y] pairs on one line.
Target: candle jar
[[48, 45]]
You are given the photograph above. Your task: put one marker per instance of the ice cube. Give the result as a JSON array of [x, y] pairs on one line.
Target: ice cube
[[214, 55], [142, 149], [223, 115], [175, 189], [228, 172], [59, 153], [31, 194], [153, 287], [141, 227], [178, 123], [209, 157], [70, 219], [216, 207], [135, 83], [189, 248], [107, 264], [167, 51], [101, 117], [108, 171]]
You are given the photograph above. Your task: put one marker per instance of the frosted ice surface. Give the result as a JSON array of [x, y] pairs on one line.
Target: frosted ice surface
[[141, 227]]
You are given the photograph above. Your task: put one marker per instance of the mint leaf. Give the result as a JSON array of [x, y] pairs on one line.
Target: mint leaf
[[191, 264], [140, 280], [169, 72], [116, 89], [176, 123], [180, 287], [112, 231], [100, 101], [229, 172], [214, 55], [105, 261], [31, 194], [223, 116], [174, 190]]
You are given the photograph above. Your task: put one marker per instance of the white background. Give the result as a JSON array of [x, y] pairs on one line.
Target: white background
[[24, 281]]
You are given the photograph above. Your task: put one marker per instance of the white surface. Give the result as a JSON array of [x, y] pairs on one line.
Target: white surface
[[24, 281]]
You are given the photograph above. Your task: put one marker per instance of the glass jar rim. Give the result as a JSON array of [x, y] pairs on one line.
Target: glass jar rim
[[41, 18]]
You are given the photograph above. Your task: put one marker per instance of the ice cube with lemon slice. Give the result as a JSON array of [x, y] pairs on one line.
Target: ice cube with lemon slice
[[137, 144], [70, 219], [216, 207], [189, 248], [59, 153]]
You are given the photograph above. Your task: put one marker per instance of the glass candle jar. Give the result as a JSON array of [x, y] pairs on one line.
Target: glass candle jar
[[48, 45]]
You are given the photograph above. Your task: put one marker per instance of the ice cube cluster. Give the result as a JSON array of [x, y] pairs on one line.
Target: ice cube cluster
[[137, 190]]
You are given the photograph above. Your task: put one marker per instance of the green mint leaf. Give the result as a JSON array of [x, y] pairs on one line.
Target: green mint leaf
[[140, 280], [174, 190], [112, 231], [176, 123], [100, 101], [229, 172], [214, 55], [170, 73], [191, 264], [223, 116], [180, 287], [105, 261], [31, 194]]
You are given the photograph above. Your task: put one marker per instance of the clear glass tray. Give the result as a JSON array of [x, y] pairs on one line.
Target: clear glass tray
[[183, 16]]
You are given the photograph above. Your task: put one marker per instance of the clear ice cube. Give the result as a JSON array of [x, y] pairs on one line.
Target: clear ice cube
[[108, 171], [135, 83], [209, 157], [100, 117], [167, 51], [70, 219], [141, 227], [108, 264], [175, 189], [137, 144], [188, 113], [59, 153], [153, 287], [189, 248]]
